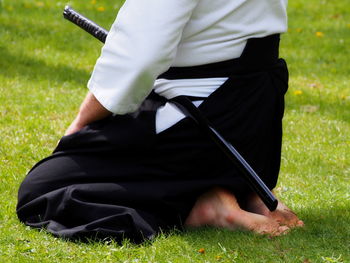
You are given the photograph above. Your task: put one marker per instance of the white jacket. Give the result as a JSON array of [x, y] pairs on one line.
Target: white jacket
[[149, 36]]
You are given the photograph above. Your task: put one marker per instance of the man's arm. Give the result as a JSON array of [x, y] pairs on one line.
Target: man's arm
[[141, 44], [90, 110]]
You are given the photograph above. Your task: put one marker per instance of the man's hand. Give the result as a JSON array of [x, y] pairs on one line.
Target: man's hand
[[74, 127], [90, 110]]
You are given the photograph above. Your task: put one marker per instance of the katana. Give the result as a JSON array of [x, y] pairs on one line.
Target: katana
[[190, 110]]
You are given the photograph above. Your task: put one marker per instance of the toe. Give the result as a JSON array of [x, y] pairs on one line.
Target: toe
[[300, 223], [282, 230]]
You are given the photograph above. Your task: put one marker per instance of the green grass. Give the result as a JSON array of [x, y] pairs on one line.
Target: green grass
[[45, 63]]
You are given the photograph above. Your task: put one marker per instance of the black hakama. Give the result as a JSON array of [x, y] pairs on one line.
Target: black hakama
[[117, 178]]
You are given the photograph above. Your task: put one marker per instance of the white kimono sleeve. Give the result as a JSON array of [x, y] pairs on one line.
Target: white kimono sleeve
[[140, 46]]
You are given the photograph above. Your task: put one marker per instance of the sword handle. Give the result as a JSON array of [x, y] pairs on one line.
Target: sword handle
[[85, 23]]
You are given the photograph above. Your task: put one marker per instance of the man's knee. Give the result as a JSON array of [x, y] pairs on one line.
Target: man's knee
[[45, 177]]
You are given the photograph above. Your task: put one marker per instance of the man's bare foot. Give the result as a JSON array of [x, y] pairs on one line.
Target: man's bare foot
[[282, 214], [219, 208]]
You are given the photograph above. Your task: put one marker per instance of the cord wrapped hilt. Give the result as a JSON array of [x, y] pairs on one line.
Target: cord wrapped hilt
[[85, 23]]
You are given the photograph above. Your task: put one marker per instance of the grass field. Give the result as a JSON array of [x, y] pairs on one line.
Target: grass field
[[45, 63]]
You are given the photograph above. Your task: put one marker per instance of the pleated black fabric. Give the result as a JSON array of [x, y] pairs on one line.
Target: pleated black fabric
[[117, 178]]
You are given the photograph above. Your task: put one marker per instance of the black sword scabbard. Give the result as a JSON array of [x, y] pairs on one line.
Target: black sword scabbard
[[253, 180]]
